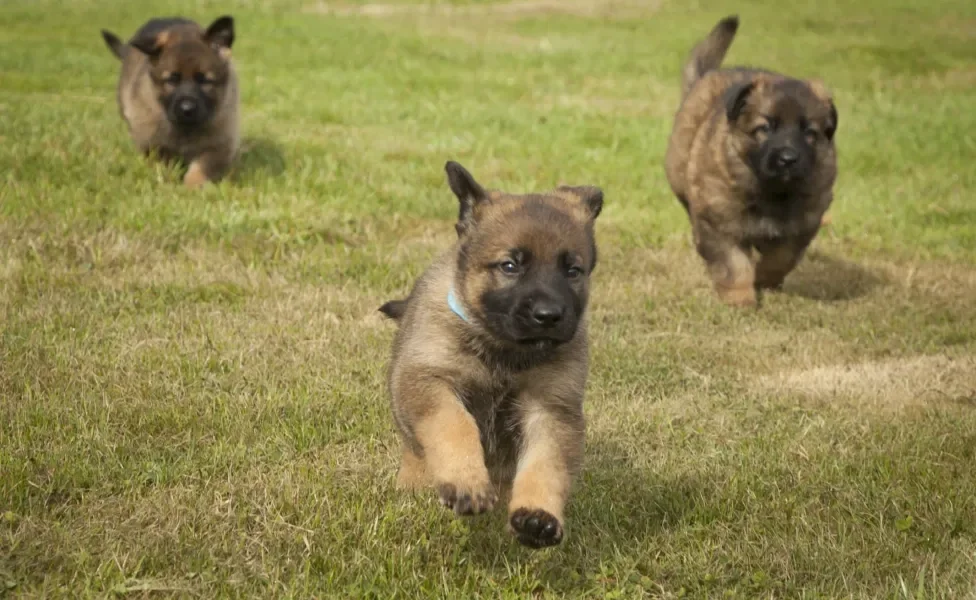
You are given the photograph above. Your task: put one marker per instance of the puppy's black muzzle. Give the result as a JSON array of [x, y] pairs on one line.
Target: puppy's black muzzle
[[786, 161], [188, 110], [545, 316]]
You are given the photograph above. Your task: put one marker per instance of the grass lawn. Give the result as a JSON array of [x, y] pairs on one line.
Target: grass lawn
[[192, 396]]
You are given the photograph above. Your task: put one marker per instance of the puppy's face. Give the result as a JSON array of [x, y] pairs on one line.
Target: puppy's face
[[189, 69], [526, 260], [785, 130]]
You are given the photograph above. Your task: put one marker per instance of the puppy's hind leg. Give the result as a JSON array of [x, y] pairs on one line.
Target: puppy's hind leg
[[777, 260], [730, 267]]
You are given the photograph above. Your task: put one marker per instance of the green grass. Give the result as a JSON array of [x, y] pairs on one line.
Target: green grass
[[192, 383]]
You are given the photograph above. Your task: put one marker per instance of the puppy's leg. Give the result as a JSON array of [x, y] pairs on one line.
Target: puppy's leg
[[730, 267], [453, 456], [209, 166], [413, 471], [551, 455], [774, 264], [777, 260]]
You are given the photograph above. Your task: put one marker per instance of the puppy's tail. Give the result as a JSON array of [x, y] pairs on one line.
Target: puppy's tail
[[709, 53], [114, 44], [394, 309]]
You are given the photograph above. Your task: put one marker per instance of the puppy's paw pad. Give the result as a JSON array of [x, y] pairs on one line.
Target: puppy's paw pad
[[536, 528], [467, 502]]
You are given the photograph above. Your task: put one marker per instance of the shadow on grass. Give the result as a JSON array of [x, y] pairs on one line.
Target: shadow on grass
[[259, 158], [616, 507], [829, 279]]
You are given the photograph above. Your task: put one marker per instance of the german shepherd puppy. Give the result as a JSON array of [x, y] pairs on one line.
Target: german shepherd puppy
[[752, 159], [178, 93], [490, 359]]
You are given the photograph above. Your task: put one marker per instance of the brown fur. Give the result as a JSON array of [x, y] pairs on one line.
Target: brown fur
[[161, 56], [479, 414], [713, 166]]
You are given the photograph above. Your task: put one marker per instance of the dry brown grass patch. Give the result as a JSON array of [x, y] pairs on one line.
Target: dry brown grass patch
[[885, 385]]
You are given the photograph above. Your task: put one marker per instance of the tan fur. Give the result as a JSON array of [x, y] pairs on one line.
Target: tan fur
[[473, 423], [195, 175], [708, 169], [553, 446], [413, 471], [451, 443], [208, 151]]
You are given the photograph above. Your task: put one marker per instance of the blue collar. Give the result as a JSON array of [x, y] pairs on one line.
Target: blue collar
[[455, 305]]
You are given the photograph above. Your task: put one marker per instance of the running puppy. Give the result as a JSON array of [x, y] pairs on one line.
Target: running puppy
[[752, 159], [490, 359], [178, 94]]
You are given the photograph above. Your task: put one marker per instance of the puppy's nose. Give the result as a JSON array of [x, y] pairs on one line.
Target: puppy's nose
[[187, 107], [547, 313], [786, 157]]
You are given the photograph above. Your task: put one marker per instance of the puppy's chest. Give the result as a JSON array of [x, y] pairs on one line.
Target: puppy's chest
[[779, 221], [494, 406], [187, 144]]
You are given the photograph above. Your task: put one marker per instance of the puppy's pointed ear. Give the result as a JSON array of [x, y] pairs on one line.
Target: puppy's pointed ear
[[151, 45], [220, 34], [831, 127], [114, 43], [735, 99], [590, 195], [468, 191], [820, 90]]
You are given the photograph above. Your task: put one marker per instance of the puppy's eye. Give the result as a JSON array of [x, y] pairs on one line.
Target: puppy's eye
[[173, 79], [574, 272], [810, 133], [202, 79], [761, 129], [509, 267]]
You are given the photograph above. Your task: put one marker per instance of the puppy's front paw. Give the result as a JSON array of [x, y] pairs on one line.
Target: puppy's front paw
[[535, 528], [467, 501], [195, 176]]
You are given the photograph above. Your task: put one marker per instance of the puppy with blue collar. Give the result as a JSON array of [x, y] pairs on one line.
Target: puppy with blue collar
[[490, 358]]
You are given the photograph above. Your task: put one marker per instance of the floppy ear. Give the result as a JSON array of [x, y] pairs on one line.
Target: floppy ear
[[735, 99], [468, 191], [151, 44], [591, 196], [220, 34], [820, 90]]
